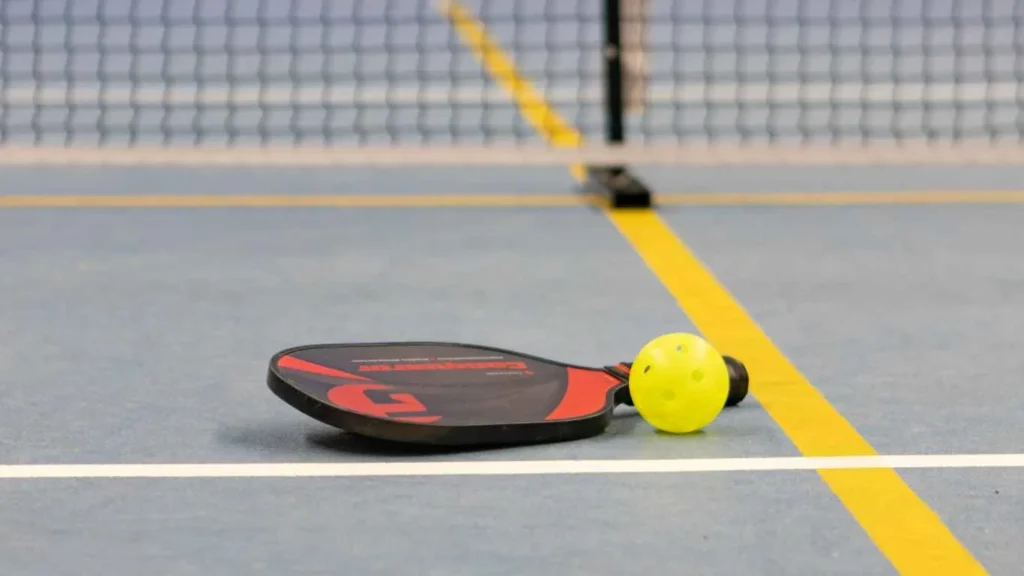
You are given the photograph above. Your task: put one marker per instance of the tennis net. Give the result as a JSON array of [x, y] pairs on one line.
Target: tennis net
[[644, 80]]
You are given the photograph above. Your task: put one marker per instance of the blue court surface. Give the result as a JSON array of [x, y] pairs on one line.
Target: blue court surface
[[879, 310], [142, 335]]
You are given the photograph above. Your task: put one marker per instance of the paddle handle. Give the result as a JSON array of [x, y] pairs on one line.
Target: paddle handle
[[739, 381]]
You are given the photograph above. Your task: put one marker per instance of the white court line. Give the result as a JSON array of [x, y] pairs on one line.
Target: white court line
[[457, 93], [964, 153], [507, 468]]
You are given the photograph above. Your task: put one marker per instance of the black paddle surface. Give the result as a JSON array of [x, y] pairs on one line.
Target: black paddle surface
[[440, 393]]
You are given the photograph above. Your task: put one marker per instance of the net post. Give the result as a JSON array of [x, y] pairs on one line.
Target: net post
[[615, 183]]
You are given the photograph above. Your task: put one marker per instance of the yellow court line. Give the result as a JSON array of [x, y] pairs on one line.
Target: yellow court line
[[292, 201], [530, 101], [712, 199], [904, 528]]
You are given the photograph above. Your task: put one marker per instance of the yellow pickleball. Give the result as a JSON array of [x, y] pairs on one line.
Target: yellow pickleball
[[679, 383]]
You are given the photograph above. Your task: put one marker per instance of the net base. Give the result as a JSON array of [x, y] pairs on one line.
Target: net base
[[617, 186]]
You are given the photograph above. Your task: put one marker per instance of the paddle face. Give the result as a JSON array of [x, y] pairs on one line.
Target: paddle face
[[444, 393]]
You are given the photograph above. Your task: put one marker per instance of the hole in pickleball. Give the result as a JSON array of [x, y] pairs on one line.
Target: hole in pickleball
[[647, 369], [697, 375], [668, 395]]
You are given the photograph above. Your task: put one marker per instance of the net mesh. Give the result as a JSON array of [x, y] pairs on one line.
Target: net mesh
[[835, 70], [227, 72], [391, 74]]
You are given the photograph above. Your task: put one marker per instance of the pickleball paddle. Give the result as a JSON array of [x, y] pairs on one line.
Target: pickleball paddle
[[441, 393]]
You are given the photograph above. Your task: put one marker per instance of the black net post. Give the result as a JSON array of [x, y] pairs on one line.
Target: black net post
[[614, 108], [615, 183]]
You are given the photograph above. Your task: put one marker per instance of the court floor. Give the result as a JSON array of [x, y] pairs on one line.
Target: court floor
[[141, 335]]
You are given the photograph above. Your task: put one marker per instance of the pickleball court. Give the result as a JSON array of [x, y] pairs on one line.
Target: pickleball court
[[142, 302]]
